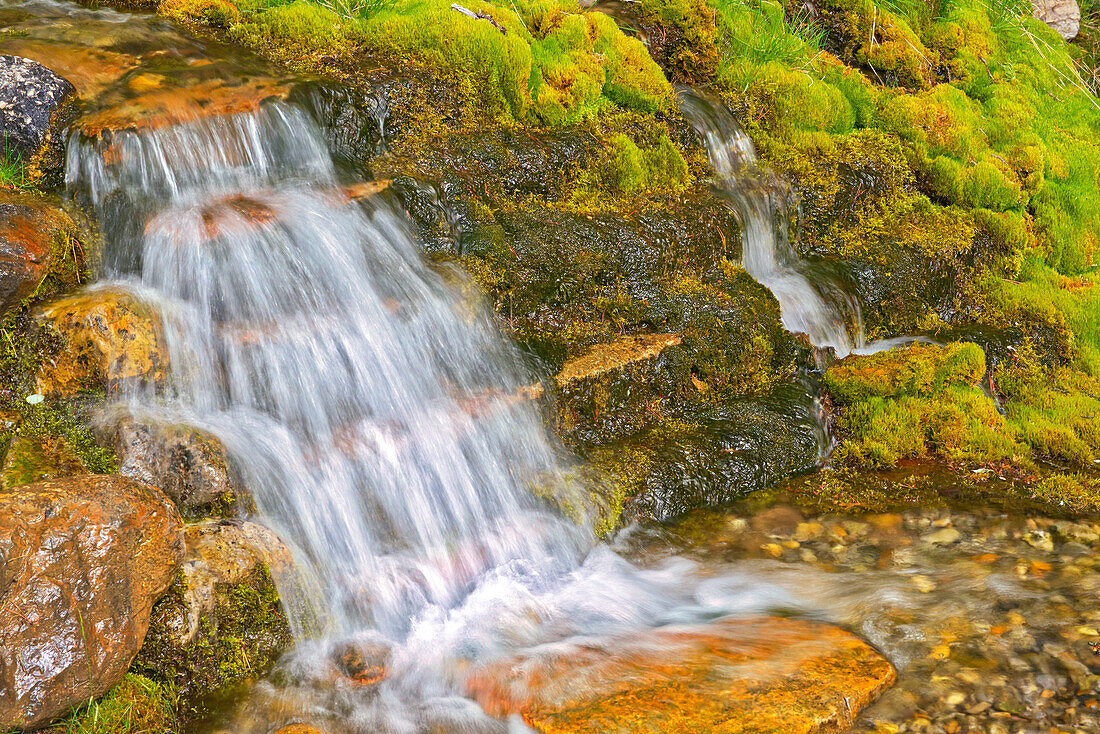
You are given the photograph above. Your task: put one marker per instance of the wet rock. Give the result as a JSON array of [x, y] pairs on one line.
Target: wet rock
[[356, 124], [718, 455], [188, 465], [1064, 16], [363, 661], [112, 338], [35, 106], [781, 675], [191, 100], [90, 70], [299, 729], [31, 228], [82, 560], [221, 623]]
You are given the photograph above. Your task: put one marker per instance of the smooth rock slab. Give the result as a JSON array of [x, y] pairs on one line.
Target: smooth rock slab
[[82, 560], [760, 674]]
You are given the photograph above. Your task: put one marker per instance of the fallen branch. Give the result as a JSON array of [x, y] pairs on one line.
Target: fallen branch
[[479, 16]]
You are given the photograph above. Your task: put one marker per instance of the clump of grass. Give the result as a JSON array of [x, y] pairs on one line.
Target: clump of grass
[[137, 705], [13, 173]]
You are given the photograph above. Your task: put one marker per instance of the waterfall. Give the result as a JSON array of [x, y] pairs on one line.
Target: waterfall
[[819, 310], [368, 406]]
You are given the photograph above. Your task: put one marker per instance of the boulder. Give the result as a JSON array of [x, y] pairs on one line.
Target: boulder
[[188, 465], [221, 622], [82, 561], [30, 229], [759, 674], [1064, 16], [35, 106], [112, 338]]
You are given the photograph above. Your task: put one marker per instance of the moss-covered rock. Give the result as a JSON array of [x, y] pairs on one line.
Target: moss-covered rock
[[915, 402], [220, 624]]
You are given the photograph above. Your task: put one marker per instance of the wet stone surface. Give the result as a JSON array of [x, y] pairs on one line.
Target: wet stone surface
[[990, 619]]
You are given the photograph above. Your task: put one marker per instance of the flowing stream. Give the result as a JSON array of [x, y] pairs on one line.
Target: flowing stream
[[820, 310], [368, 407]]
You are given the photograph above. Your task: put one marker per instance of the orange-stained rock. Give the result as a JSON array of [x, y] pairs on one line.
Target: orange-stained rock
[[111, 338], [760, 674], [29, 227], [82, 560], [299, 729], [169, 105], [91, 70]]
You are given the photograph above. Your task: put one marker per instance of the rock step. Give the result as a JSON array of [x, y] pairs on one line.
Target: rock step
[[757, 674]]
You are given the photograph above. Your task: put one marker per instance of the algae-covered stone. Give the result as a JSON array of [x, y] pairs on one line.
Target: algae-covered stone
[[221, 623], [741, 675], [112, 339], [35, 458]]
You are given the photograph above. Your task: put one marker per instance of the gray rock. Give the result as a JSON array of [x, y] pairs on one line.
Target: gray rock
[[943, 536], [1063, 16], [187, 465], [34, 105]]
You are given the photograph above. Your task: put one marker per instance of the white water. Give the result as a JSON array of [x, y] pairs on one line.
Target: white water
[[366, 405], [819, 310]]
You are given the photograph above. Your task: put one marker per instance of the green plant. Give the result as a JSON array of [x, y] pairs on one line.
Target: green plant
[[13, 173], [356, 9]]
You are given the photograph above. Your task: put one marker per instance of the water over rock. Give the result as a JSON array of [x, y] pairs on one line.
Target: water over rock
[[220, 622], [36, 458], [35, 105], [188, 465], [82, 560], [741, 675], [112, 339], [30, 227]]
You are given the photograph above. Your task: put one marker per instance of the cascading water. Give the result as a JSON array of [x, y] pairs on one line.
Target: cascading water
[[370, 410], [821, 311]]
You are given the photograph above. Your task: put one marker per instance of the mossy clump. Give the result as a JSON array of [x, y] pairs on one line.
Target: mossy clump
[[1078, 493], [682, 37], [547, 62], [626, 170], [137, 705], [917, 402], [236, 643]]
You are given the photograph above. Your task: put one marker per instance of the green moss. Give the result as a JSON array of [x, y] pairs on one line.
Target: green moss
[[137, 705], [917, 402], [625, 171], [683, 37], [237, 643], [545, 62], [1076, 492]]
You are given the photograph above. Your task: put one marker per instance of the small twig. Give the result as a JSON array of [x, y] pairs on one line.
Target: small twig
[[479, 16]]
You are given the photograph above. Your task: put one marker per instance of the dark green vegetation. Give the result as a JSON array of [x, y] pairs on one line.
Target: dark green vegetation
[[137, 705], [236, 643]]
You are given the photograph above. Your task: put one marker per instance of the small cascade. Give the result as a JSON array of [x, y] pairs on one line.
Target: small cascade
[[368, 407], [819, 309]]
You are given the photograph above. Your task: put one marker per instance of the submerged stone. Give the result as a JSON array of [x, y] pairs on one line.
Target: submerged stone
[[82, 560], [740, 675]]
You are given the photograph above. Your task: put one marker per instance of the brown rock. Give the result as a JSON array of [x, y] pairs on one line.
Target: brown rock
[[112, 338], [188, 465], [91, 70], [1064, 16], [762, 674], [82, 560], [29, 228], [299, 729]]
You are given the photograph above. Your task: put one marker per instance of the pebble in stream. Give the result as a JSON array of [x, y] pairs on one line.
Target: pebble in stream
[[988, 617]]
